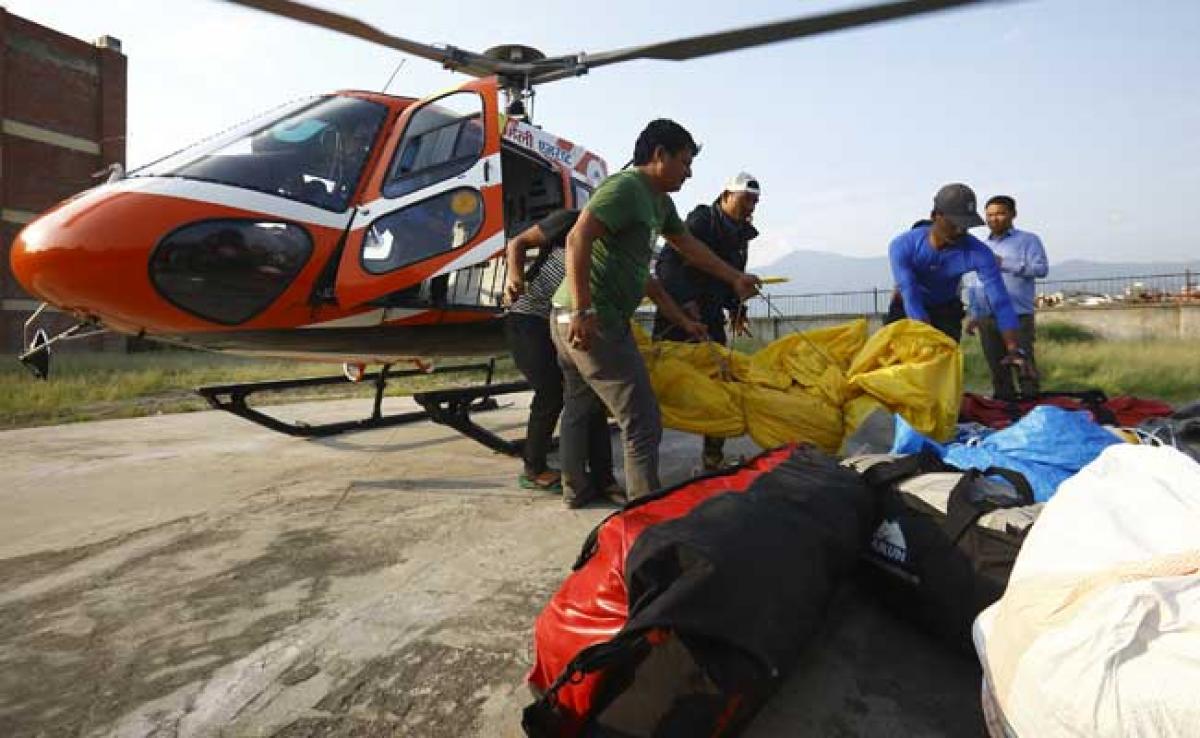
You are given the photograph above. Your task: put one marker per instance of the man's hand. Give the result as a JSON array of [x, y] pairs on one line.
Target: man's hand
[[695, 330], [514, 287], [999, 261], [739, 322], [1018, 358], [581, 330], [972, 324], [746, 286]]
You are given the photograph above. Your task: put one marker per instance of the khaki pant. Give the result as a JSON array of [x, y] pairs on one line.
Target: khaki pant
[[613, 369], [994, 350]]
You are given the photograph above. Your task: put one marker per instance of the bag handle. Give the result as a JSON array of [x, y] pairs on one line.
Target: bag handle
[[962, 510]]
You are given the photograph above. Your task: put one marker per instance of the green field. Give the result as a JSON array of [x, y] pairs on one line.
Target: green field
[[1071, 358], [101, 386]]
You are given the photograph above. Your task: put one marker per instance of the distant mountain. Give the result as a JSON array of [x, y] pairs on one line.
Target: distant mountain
[[824, 271], [811, 271], [1083, 269]]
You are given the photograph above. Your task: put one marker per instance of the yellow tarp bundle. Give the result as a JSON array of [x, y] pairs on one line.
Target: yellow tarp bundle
[[814, 386]]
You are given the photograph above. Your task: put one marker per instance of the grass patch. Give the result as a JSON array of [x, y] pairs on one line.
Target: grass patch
[[110, 385], [1065, 333], [1069, 360], [105, 386]]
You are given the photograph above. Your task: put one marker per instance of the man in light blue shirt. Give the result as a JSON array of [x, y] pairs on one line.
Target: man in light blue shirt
[[1022, 259]]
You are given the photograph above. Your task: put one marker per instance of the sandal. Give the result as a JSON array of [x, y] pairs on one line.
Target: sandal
[[548, 481]]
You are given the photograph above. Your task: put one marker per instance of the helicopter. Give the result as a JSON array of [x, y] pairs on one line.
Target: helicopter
[[354, 227]]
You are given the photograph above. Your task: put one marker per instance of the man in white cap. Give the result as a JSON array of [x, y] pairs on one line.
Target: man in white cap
[[725, 228]]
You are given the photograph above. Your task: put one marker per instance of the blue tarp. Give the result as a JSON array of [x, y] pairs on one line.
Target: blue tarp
[[1047, 446]]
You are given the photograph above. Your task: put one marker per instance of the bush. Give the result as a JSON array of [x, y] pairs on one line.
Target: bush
[[1065, 333]]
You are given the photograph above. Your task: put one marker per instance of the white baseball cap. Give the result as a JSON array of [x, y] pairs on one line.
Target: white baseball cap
[[743, 182]]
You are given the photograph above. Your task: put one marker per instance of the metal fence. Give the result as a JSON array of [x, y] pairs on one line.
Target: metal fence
[[1130, 289]]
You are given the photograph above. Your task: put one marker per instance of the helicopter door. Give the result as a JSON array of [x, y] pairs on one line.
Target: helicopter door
[[435, 203]]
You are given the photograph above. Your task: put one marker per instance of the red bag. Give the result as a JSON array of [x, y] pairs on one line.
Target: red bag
[[591, 607], [685, 609], [1123, 411]]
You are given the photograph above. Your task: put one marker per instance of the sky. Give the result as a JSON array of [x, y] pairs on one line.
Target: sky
[[1086, 111]]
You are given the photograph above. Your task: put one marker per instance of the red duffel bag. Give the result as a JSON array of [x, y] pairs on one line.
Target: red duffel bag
[[684, 609]]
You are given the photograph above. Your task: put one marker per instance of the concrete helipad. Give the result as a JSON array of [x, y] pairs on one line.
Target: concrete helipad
[[198, 575]]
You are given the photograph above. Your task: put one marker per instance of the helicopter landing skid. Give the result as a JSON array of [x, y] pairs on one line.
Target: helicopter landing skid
[[450, 407]]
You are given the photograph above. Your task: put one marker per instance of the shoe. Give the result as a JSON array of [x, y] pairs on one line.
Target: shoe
[[575, 501], [609, 489], [614, 493], [712, 462], [548, 481]]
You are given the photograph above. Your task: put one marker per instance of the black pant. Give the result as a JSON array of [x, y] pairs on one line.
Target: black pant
[[529, 341], [947, 317], [665, 330], [994, 351]]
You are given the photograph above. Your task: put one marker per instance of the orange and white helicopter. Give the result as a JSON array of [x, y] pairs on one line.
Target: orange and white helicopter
[[354, 227]]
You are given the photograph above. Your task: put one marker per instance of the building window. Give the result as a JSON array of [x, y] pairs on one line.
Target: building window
[[424, 229], [228, 271], [443, 138]]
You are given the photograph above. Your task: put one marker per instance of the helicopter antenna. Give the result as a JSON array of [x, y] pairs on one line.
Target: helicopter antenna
[[394, 73]]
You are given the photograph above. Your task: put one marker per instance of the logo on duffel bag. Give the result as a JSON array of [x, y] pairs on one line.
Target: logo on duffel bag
[[889, 542]]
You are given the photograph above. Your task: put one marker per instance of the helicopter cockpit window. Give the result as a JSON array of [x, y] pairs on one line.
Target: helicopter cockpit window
[[443, 138], [314, 155], [421, 230], [228, 271]]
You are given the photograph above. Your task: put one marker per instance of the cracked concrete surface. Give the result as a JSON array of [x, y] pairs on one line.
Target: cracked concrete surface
[[195, 575]]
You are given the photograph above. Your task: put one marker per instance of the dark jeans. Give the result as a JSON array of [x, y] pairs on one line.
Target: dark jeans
[[665, 330], [613, 371], [533, 352], [947, 317], [993, 349]]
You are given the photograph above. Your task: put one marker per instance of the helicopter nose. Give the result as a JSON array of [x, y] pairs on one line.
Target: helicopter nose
[[38, 261], [84, 256]]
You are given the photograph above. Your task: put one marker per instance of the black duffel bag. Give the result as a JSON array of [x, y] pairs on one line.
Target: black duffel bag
[[947, 541], [720, 602]]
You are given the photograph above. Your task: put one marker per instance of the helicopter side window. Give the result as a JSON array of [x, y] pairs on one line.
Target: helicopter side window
[[314, 155], [228, 271], [443, 138], [421, 230]]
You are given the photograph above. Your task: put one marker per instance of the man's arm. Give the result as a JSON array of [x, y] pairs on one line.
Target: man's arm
[[672, 312], [1034, 263], [514, 252], [997, 294], [696, 254], [906, 280], [579, 268]]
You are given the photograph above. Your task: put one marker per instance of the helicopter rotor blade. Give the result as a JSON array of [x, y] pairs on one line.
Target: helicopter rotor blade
[[450, 57], [742, 38]]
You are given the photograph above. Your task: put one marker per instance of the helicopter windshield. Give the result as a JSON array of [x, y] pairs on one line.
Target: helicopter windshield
[[312, 152]]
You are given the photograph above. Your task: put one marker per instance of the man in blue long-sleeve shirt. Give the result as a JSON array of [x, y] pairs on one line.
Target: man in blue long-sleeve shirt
[[928, 263], [1022, 259]]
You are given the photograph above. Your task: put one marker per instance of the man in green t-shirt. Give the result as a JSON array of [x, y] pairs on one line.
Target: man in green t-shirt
[[608, 273]]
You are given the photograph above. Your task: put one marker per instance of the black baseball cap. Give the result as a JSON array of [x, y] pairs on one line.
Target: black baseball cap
[[957, 202]]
